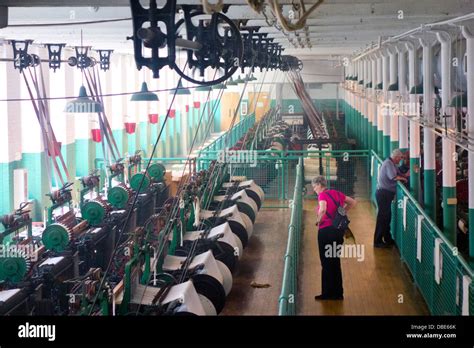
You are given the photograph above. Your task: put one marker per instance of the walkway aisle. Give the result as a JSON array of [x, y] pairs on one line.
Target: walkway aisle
[[262, 263], [373, 286]]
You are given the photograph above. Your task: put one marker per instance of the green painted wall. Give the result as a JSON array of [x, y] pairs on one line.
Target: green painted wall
[[85, 150], [38, 185], [144, 137], [6, 186], [216, 109], [80, 155], [131, 143], [69, 154], [120, 139]]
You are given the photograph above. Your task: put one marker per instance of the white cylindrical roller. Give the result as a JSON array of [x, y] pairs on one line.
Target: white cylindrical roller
[[248, 184], [188, 296], [226, 276], [173, 263], [234, 215], [241, 197], [208, 306], [209, 268], [227, 237], [246, 204]]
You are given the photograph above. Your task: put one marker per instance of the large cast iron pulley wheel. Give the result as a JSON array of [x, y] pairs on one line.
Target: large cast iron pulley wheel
[[221, 47]]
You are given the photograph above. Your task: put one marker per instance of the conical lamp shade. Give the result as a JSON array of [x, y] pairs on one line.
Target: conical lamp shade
[[144, 94], [231, 82], [419, 89], [219, 86], [181, 90], [393, 87], [83, 104], [203, 88], [240, 80], [459, 101]]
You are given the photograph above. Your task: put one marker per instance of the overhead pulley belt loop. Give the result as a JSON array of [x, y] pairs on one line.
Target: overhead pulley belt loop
[[181, 182], [48, 146], [180, 188], [256, 99], [258, 125], [45, 141], [116, 155], [92, 83], [103, 122], [49, 138], [94, 93], [181, 185], [135, 198], [95, 96], [57, 150]]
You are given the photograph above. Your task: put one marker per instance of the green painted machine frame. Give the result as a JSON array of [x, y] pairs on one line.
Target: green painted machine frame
[[55, 206], [6, 233]]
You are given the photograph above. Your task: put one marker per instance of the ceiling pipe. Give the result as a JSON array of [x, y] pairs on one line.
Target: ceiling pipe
[[411, 32]]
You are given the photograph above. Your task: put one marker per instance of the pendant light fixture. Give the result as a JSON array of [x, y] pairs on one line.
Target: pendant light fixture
[[144, 94]]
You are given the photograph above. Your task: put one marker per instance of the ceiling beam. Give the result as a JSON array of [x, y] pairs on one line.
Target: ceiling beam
[[3, 16]]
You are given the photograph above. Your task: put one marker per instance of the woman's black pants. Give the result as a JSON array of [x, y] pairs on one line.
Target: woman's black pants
[[330, 240]]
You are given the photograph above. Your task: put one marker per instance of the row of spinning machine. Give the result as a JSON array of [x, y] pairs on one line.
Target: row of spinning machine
[[158, 256], [45, 271], [183, 258]]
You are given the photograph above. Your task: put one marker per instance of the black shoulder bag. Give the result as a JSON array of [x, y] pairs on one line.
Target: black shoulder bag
[[340, 221]]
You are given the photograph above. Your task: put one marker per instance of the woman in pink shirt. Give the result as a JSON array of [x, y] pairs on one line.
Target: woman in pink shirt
[[329, 238]]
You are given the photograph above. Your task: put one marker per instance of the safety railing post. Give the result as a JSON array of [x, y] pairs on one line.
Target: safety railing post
[[287, 299], [414, 233]]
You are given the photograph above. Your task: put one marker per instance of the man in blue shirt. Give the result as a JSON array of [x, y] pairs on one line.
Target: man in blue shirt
[[389, 174]]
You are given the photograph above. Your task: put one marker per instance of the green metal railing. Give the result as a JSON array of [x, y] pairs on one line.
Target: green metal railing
[[287, 299], [275, 171], [233, 135], [443, 296], [265, 123]]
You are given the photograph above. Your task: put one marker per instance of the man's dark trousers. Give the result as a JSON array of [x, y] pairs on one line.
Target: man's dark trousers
[[382, 229]]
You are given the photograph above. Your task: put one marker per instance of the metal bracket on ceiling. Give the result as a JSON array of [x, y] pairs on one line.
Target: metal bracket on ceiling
[[152, 37], [54, 54], [21, 58], [104, 56], [82, 59]]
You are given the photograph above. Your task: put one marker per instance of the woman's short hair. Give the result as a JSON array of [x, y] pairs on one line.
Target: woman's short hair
[[321, 180]]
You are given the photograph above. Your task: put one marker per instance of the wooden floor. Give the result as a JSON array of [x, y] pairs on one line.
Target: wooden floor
[[378, 285], [262, 263]]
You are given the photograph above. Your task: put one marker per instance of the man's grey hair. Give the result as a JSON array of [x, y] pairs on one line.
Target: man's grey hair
[[396, 153], [321, 180]]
